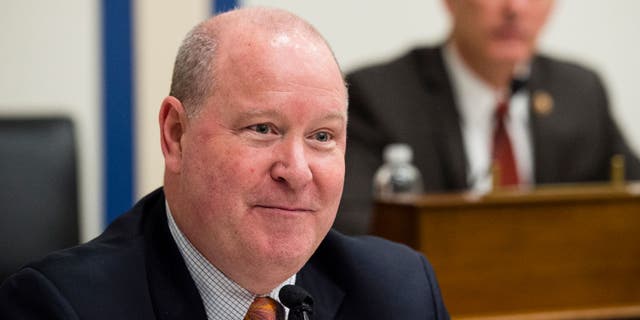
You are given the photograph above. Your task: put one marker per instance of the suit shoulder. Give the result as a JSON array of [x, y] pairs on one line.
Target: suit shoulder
[[373, 263], [405, 63], [563, 69], [29, 293], [89, 256], [367, 268], [119, 249], [372, 251], [109, 270]]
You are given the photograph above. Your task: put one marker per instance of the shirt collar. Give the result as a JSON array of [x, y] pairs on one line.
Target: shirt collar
[[222, 297], [476, 98]]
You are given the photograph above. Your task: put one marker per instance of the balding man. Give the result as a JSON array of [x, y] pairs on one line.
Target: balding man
[[253, 136]]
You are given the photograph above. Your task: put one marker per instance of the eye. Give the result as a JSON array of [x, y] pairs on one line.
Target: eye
[[261, 128], [322, 136]]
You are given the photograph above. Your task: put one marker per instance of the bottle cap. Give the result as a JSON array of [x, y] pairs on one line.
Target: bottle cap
[[398, 153]]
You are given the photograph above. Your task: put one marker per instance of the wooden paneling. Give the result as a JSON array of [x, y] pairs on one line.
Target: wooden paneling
[[520, 251]]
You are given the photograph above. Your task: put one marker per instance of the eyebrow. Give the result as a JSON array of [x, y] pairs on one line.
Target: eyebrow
[[261, 113], [334, 115]]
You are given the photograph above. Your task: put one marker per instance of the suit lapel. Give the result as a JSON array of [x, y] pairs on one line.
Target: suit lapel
[[173, 292], [327, 295], [542, 158], [447, 120], [320, 278]]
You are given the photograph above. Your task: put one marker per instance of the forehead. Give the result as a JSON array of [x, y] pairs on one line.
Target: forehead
[[281, 60], [496, 4], [255, 47]]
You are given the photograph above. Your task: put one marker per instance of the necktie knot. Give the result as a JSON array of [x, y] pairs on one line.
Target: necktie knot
[[265, 308], [501, 110]]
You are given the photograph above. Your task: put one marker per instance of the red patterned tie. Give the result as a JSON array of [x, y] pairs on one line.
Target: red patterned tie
[[502, 151], [265, 308]]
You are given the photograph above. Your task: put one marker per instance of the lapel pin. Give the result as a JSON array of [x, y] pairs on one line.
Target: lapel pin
[[542, 102]]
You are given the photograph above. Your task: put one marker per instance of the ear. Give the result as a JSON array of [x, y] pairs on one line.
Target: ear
[[173, 121]]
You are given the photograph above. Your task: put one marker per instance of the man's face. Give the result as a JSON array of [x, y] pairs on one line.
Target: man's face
[[263, 163], [498, 30]]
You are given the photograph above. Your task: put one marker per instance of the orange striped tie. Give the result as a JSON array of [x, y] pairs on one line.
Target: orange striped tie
[[265, 308]]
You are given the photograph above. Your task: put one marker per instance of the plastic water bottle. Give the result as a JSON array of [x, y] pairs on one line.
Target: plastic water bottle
[[397, 175]]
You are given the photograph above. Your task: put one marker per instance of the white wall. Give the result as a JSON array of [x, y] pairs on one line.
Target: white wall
[[160, 28], [49, 64]]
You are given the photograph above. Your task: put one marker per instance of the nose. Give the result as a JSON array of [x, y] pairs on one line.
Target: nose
[[291, 166]]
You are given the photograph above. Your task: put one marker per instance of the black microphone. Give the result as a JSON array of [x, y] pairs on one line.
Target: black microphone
[[298, 300]]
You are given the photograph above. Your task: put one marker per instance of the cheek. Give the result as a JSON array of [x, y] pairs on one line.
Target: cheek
[[330, 176], [210, 170], [245, 166], [240, 171], [539, 20]]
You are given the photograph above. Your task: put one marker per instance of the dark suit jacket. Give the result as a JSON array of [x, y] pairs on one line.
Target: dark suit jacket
[[410, 100], [134, 270]]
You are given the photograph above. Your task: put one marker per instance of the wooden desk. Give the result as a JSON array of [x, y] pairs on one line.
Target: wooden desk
[[516, 252]]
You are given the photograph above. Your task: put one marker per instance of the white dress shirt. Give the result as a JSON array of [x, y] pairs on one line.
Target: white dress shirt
[[477, 102], [223, 299]]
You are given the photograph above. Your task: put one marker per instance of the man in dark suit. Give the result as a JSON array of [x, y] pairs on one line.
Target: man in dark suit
[[253, 136], [441, 101]]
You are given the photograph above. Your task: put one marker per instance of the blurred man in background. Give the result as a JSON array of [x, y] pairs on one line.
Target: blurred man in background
[[484, 99]]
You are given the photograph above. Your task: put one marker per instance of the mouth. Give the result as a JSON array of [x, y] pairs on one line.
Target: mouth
[[509, 33], [284, 209]]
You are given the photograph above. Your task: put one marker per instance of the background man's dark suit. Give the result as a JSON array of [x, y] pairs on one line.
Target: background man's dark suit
[[135, 271], [411, 100]]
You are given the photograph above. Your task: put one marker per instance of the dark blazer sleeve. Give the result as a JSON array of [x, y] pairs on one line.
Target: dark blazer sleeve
[[438, 303], [618, 142], [632, 163], [575, 141], [28, 294], [620, 146]]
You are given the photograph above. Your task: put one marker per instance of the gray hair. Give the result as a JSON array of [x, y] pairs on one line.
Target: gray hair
[[193, 74]]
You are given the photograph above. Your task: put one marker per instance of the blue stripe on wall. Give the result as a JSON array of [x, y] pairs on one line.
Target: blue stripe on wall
[[219, 6], [117, 104]]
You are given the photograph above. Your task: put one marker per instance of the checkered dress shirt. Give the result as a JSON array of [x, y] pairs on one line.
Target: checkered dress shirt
[[223, 299]]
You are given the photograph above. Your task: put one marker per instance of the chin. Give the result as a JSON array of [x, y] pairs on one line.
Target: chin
[[511, 55], [291, 257], [290, 244], [515, 50]]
